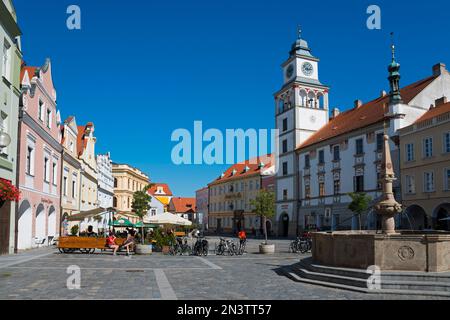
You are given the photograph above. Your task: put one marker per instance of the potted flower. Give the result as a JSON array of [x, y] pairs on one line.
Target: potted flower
[[8, 192]]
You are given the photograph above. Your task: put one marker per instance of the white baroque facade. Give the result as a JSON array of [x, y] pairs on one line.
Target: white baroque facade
[[105, 181]]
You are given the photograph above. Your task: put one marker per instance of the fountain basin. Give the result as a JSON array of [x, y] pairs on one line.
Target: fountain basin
[[403, 251]]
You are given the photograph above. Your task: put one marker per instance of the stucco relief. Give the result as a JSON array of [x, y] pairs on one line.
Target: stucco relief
[[406, 253]]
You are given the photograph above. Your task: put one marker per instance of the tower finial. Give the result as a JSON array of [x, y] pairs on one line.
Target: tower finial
[[299, 31], [392, 46]]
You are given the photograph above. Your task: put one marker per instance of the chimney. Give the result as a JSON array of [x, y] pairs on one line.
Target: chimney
[[383, 93], [439, 69], [440, 101], [358, 103], [335, 113]]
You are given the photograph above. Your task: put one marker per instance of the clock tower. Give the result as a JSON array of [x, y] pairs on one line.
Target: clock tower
[[301, 109]]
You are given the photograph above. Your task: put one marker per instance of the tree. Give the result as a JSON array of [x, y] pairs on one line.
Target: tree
[[141, 205], [264, 204], [360, 203]]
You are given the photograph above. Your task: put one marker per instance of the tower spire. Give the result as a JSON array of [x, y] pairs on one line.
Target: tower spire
[[299, 32], [394, 76]]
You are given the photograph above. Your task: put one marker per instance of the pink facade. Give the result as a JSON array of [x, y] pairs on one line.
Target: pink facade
[[40, 159]]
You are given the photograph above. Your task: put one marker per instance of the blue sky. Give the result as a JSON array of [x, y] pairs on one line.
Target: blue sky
[[140, 69]]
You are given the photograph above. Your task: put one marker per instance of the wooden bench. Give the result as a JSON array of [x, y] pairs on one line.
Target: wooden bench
[[84, 244]]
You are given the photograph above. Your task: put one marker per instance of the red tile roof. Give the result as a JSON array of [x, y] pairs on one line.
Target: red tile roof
[[29, 70], [365, 115], [183, 205], [240, 172], [434, 112], [165, 187]]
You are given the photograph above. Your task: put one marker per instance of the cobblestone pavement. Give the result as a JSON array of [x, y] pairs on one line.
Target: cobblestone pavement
[[42, 274]]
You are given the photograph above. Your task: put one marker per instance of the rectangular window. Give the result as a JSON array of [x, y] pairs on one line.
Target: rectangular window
[[29, 161], [428, 147], [336, 153], [321, 189], [49, 119], [307, 163], [359, 146], [74, 186], [285, 194], [409, 152], [285, 168], [285, 146], [428, 180], [380, 141], [321, 157], [447, 142], [6, 62], [337, 187], [307, 192], [65, 186], [358, 183], [41, 110], [55, 173], [447, 179], [410, 185], [46, 170], [285, 125]]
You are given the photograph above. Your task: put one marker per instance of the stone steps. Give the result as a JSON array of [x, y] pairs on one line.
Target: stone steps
[[395, 282]]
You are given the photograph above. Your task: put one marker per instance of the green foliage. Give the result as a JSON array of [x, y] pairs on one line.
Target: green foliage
[[264, 203], [162, 239], [360, 202], [74, 230], [141, 205]]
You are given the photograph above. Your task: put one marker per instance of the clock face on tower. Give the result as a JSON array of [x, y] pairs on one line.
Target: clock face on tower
[[307, 68], [289, 71]]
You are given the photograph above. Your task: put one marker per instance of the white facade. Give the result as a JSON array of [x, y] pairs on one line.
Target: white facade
[[326, 206], [301, 109], [156, 207], [105, 180]]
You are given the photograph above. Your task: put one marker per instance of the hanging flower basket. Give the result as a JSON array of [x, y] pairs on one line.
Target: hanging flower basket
[[8, 192]]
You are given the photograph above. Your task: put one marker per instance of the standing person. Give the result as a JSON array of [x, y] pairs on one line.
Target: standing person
[[242, 238], [111, 242]]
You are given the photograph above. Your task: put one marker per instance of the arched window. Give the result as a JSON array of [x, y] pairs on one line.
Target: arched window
[[320, 101], [303, 98], [311, 103], [280, 105]]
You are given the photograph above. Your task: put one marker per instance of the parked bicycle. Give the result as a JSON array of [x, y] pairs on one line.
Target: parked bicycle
[[294, 246], [180, 247], [201, 247], [226, 247]]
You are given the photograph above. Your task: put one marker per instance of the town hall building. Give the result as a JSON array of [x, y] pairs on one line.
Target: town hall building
[[325, 155]]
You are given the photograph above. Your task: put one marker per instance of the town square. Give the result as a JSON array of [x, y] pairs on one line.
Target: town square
[[224, 151]]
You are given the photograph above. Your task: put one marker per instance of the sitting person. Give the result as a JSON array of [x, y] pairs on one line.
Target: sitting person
[[90, 232], [111, 243], [130, 240]]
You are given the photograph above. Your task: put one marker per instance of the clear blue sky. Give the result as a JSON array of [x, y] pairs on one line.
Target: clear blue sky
[[140, 69]]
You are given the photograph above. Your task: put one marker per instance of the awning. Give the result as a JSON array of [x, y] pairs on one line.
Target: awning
[[146, 225], [88, 214]]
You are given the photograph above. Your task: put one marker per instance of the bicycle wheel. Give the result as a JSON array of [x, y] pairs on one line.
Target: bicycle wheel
[[205, 250], [303, 247]]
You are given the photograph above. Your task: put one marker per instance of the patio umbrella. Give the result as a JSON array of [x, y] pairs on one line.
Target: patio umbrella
[[167, 218], [122, 222]]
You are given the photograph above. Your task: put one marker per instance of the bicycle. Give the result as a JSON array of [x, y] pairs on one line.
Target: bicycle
[[226, 246], [305, 245], [201, 247], [294, 246], [241, 248]]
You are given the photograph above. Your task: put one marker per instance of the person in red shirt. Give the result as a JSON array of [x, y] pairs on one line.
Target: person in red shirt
[[111, 242]]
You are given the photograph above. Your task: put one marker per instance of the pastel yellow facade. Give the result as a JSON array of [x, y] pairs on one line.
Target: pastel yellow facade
[[127, 180], [425, 172]]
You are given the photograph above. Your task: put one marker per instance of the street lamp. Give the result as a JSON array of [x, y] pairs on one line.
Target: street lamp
[[5, 139]]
